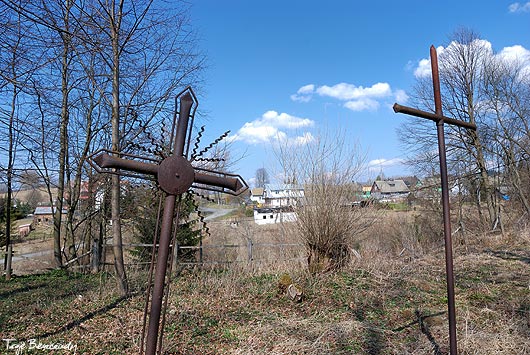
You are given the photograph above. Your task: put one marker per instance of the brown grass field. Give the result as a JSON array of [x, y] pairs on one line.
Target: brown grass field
[[391, 299]]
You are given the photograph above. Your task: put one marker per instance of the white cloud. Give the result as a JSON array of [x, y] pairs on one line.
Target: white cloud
[[307, 89], [515, 53], [512, 53], [519, 56], [306, 138], [304, 93], [344, 91], [358, 98], [423, 70], [401, 96], [267, 128], [385, 162], [364, 104], [284, 120], [517, 7]]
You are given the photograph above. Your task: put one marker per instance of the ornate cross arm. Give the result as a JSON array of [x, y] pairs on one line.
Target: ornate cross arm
[[175, 174]]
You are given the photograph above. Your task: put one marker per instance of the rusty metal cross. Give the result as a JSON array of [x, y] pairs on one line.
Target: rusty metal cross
[[440, 119], [175, 175]]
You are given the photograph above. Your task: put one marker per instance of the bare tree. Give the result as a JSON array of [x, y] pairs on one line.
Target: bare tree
[[151, 46], [106, 72], [327, 220], [262, 177], [15, 71], [462, 65], [508, 103]]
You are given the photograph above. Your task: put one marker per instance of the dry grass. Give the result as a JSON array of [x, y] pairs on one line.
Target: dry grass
[[385, 302]]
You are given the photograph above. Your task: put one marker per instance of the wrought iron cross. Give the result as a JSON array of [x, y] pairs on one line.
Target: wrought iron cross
[[175, 175], [440, 119]]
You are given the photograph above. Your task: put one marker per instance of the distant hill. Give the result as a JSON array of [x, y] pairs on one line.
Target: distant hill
[[33, 196]]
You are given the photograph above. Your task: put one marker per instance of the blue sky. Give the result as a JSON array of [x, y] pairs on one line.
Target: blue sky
[[291, 68]]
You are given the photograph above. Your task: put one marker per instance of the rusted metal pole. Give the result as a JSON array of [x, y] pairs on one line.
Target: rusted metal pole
[[9, 261], [160, 275], [165, 234], [445, 204]]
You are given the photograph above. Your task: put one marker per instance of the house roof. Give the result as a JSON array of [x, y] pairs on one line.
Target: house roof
[[280, 187], [46, 210], [390, 186], [410, 181], [257, 191]]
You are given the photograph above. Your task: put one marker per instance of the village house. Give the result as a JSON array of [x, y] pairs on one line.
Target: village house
[[274, 215], [281, 195], [389, 190], [44, 214], [257, 195]]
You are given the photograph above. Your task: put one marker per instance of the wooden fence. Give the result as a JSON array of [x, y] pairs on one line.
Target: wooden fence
[[218, 254]]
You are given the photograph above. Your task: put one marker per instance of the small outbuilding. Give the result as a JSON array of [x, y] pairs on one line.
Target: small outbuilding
[[44, 214]]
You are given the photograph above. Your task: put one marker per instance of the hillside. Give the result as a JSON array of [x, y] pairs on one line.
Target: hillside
[[382, 305]]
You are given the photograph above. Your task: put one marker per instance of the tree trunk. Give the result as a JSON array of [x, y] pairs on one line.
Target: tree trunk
[[63, 137], [10, 162], [115, 189], [485, 181]]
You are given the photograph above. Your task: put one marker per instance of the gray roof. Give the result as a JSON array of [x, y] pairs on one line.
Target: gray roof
[[46, 210], [390, 187], [282, 187]]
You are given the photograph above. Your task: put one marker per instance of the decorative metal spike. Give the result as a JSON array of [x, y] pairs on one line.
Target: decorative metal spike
[[204, 197], [211, 160], [204, 227], [201, 218], [197, 141], [221, 137]]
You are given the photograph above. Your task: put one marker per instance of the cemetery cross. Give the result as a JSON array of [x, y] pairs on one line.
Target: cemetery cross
[[175, 175], [440, 119]]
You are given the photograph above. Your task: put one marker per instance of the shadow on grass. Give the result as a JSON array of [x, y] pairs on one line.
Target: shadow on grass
[[374, 342], [510, 255], [21, 290], [88, 316], [420, 320]]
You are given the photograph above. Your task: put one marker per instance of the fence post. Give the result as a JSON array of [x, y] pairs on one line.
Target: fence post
[[175, 251], [249, 249], [200, 250], [9, 259], [96, 256]]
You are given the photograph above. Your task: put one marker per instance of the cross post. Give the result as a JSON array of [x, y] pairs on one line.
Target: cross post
[[175, 175], [440, 119]]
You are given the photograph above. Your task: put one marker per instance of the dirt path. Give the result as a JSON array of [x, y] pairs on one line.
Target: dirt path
[[32, 256], [214, 213]]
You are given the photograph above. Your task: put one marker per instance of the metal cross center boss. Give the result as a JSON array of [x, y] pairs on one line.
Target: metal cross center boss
[[175, 175]]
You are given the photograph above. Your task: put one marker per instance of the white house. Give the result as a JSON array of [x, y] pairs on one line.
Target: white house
[[274, 215], [258, 195], [282, 195]]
